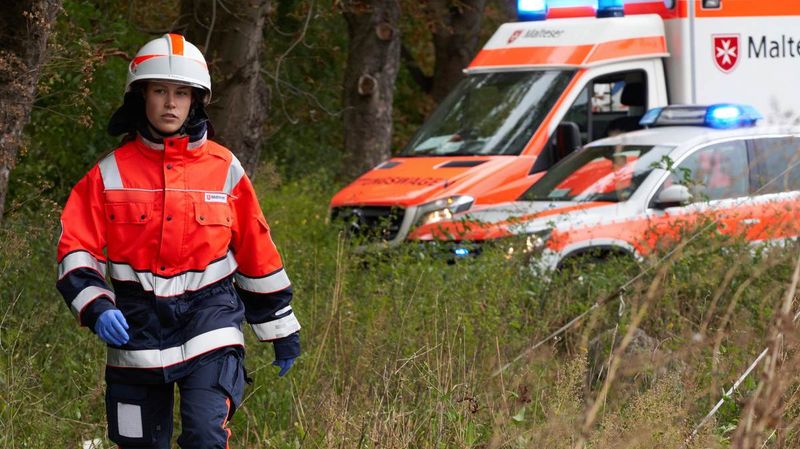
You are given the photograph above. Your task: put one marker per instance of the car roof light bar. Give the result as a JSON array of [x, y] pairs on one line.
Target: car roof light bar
[[720, 116]]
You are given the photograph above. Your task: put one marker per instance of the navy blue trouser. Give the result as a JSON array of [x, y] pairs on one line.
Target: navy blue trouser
[[140, 415]]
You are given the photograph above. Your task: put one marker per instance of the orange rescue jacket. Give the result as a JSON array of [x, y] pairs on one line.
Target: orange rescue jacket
[[171, 219]]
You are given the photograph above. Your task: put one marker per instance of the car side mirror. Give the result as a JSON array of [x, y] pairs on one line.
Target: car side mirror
[[673, 196]]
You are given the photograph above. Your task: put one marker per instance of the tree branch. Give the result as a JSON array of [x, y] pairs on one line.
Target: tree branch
[[424, 81]]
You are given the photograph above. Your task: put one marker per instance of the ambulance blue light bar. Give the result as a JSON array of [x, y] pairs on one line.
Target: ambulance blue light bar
[[528, 10], [721, 116], [610, 8]]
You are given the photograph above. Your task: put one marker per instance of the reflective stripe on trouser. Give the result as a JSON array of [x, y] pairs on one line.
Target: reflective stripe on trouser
[[141, 415]]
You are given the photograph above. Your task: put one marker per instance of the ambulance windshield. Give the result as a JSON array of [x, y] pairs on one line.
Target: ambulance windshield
[[606, 173], [490, 113]]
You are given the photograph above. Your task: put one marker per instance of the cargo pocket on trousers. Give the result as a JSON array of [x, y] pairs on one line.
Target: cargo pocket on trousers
[[231, 379], [132, 413]]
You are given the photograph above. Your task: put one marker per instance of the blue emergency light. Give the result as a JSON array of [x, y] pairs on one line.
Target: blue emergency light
[[720, 116], [528, 10], [610, 8], [461, 252]]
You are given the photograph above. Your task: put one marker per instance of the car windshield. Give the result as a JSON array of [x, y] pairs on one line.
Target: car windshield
[[604, 173], [490, 113]]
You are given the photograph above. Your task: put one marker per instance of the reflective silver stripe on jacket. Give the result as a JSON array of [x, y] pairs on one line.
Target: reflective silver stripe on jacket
[[176, 285], [235, 174], [162, 358], [279, 328], [86, 296], [283, 310], [110, 172], [80, 259], [276, 281]]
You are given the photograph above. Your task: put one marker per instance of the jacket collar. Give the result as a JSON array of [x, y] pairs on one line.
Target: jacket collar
[[191, 144], [178, 147]]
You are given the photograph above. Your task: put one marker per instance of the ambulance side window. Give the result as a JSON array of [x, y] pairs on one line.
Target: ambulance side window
[[609, 104], [775, 164], [716, 172]]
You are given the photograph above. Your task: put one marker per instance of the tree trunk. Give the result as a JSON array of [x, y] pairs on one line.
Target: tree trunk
[[372, 63], [508, 8], [230, 34], [24, 29], [457, 25]]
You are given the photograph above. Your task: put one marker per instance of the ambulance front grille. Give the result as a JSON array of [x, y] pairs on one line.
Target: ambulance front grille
[[371, 223]]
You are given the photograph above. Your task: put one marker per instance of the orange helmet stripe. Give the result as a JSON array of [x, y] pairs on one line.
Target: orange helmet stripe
[[176, 42]]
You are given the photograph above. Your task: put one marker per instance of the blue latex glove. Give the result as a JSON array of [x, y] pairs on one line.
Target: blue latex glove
[[111, 327], [284, 365]]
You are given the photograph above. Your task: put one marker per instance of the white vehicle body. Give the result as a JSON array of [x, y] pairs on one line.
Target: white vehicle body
[[765, 210]]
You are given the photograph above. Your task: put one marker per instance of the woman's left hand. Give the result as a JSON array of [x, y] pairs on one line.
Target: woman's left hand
[[284, 365]]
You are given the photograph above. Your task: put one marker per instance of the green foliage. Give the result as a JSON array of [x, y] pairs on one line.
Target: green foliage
[[306, 51], [79, 88], [303, 66]]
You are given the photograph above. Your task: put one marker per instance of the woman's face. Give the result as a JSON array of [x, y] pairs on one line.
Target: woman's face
[[167, 105]]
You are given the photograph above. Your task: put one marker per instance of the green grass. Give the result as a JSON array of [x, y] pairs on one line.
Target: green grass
[[401, 350]]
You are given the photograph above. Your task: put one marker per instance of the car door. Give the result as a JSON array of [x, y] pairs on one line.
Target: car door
[[775, 184], [718, 179]]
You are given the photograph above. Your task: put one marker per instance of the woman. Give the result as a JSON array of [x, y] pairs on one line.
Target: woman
[[175, 219]]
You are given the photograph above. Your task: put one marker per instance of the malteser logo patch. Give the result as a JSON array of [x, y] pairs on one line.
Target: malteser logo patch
[[216, 198], [726, 51]]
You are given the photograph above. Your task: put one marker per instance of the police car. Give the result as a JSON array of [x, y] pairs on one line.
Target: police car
[[633, 192]]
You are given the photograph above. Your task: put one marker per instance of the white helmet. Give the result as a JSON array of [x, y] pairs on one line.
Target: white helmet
[[170, 58]]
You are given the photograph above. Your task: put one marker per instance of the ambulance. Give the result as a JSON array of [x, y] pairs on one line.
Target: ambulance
[[568, 73], [695, 167]]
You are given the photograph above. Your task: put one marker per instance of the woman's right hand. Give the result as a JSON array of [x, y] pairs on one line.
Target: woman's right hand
[[111, 327]]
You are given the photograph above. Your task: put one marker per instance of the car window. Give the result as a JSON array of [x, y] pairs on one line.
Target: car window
[[776, 164], [715, 172], [609, 105], [598, 173]]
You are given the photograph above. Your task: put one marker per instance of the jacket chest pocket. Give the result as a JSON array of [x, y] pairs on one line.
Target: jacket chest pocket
[[129, 212], [213, 214]]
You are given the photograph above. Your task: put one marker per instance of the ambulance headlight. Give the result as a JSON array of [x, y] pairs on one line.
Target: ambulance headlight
[[528, 10], [443, 209]]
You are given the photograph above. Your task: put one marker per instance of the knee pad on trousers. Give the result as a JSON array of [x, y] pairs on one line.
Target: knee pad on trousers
[[139, 415]]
